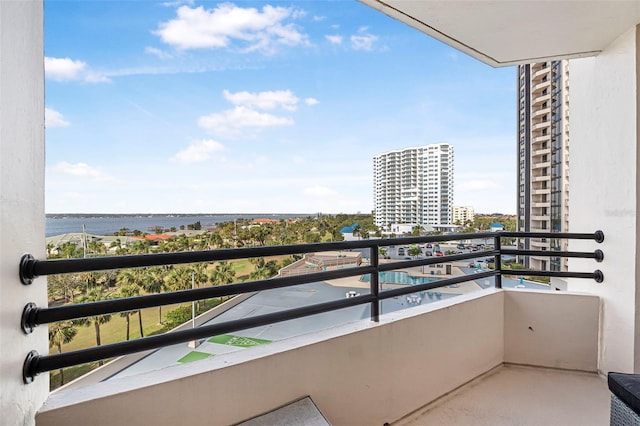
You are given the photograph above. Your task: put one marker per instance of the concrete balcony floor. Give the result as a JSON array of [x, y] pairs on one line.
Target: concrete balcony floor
[[517, 395]]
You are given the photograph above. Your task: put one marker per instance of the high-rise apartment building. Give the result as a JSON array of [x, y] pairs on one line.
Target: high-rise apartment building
[[543, 157], [463, 214], [414, 185]]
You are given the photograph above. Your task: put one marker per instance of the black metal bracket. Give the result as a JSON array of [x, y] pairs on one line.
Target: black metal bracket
[[29, 366], [28, 321], [599, 236], [26, 269], [598, 276]]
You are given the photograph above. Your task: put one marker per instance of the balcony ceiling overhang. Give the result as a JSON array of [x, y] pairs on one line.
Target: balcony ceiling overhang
[[501, 33]]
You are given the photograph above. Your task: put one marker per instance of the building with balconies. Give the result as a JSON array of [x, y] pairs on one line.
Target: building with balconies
[[543, 150], [463, 214], [414, 185], [497, 356]]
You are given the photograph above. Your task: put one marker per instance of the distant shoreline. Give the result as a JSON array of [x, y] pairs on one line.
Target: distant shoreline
[[116, 215]]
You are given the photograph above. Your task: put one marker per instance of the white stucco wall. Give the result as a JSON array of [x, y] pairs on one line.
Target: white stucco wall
[[604, 191], [21, 201], [358, 374]]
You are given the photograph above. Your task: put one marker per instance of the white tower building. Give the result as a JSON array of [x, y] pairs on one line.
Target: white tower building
[[414, 185]]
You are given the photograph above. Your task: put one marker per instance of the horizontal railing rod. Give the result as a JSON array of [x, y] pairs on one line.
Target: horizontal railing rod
[[39, 364], [597, 254], [31, 268], [37, 316], [401, 291], [597, 236], [596, 275]]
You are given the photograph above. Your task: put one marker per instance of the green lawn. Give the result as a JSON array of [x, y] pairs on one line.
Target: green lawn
[[115, 330]]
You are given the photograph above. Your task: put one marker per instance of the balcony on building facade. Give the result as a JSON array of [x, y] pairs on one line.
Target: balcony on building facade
[[332, 363], [541, 112], [540, 99], [542, 151], [540, 125], [539, 74], [542, 165], [384, 371], [538, 89]]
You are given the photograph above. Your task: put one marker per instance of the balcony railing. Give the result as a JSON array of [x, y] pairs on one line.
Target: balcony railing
[[33, 315]]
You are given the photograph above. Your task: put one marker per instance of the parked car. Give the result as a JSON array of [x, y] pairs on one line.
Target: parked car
[[439, 253], [428, 245]]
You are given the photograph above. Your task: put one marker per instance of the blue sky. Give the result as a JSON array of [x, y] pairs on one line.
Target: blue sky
[[259, 107]]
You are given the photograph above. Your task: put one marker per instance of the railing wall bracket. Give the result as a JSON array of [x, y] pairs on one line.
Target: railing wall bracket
[[28, 321], [26, 269], [29, 366]]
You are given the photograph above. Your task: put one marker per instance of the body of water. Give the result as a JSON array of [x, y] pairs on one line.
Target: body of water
[[399, 277], [109, 224]]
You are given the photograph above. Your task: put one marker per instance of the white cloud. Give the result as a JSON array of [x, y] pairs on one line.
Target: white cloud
[[319, 191], [297, 159], [311, 101], [200, 28], [157, 52], [66, 69], [53, 118], [198, 152], [82, 170], [63, 69], [177, 3], [318, 18], [231, 122], [363, 40], [264, 100], [334, 39]]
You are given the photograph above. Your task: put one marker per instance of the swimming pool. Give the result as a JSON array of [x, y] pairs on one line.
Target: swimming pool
[[399, 277]]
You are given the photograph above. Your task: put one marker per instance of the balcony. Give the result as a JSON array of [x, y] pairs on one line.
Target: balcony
[[541, 125], [337, 361], [398, 364], [540, 99]]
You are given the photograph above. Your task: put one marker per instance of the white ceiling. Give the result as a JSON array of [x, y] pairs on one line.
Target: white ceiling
[[508, 32]]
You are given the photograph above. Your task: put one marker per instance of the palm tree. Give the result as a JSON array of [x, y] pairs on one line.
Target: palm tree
[[130, 291], [61, 333], [264, 269], [199, 275], [382, 252], [179, 279], [414, 250], [222, 274], [153, 282], [94, 295]]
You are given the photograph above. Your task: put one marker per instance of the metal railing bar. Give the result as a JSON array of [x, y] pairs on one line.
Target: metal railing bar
[[33, 316], [498, 262], [596, 275], [597, 236], [597, 254], [31, 268], [42, 363], [374, 287]]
